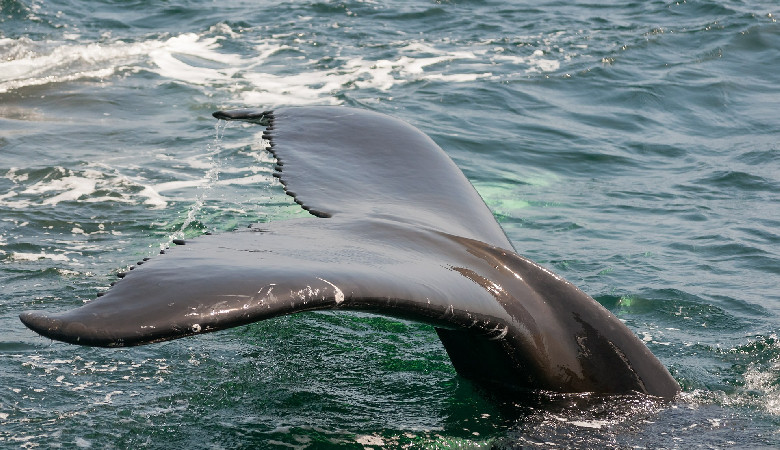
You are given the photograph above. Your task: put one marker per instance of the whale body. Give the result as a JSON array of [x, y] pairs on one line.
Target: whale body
[[399, 231]]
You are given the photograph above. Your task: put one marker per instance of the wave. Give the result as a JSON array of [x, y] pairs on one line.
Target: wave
[[93, 183], [270, 72]]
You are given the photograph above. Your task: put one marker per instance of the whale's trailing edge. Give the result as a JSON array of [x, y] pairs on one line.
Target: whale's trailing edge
[[402, 233]]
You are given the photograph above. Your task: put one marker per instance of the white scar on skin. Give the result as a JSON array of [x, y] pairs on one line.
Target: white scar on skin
[[339, 294]]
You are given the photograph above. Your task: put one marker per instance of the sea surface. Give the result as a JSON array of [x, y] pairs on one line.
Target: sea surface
[[633, 147]]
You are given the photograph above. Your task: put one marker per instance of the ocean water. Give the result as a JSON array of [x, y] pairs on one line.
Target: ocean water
[[632, 147]]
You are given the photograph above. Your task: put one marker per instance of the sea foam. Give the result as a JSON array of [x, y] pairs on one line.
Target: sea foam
[[202, 60]]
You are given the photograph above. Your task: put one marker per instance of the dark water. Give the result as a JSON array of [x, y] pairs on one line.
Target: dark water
[[632, 147]]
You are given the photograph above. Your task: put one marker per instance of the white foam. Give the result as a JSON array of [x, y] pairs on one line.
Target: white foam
[[247, 180], [16, 177], [169, 66], [62, 185], [764, 380], [543, 65], [71, 187], [153, 198], [534, 63], [459, 78], [202, 60], [245, 76], [300, 89], [21, 256], [598, 424], [89, 184], [35, 63], [74, 188], [176, 185], [31, 63]]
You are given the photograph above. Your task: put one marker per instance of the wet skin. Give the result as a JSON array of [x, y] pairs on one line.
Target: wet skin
[[399, 231]]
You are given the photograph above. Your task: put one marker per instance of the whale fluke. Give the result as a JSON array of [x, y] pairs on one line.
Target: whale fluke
[[398, 230]]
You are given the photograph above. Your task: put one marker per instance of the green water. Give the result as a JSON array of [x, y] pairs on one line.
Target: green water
[[630, 147]]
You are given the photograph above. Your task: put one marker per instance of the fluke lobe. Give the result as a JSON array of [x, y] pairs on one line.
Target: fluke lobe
[[399, 231]]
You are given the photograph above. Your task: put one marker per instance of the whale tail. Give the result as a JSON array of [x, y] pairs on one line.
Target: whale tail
[[400, 232]]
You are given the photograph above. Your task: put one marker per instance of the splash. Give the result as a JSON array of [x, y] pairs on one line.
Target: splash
[[757, 385], [207, 183], [762, 378]]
